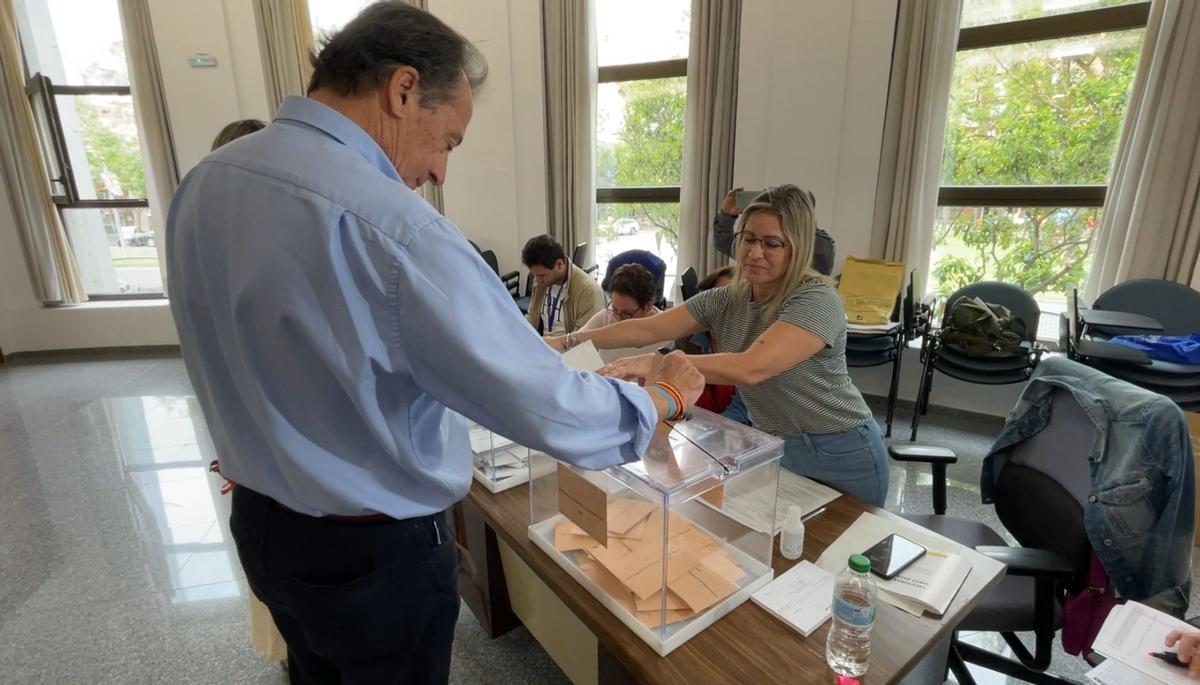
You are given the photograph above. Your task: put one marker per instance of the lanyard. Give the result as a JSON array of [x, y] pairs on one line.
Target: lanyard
[[553, 306]]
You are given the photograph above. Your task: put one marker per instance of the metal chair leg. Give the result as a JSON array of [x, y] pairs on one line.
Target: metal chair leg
[[922, 392], [894, 390]]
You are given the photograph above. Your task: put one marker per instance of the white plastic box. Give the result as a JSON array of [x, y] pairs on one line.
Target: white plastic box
[[612, 529], [499, 463]]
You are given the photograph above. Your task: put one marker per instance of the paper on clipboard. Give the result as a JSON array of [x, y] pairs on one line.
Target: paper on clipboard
[[1131, 632]]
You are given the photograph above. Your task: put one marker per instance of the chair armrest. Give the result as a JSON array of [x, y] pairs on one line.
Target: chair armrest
[[592, 270], [1113, 319], [923, 453], [1027, 561]]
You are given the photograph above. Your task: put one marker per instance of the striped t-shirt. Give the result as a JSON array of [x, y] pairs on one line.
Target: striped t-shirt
[[814, 396]]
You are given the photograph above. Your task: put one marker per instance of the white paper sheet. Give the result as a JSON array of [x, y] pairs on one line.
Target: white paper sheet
[[1131, 632], [583, 357], [801, 598], [793, 489], [1113, 672]]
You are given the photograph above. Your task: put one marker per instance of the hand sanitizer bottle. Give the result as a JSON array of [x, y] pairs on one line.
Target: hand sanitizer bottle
[[791, 539]]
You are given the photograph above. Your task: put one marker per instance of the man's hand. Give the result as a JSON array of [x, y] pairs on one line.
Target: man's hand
[[730, 206], [635, 369], [681, 373], [1185, 645]]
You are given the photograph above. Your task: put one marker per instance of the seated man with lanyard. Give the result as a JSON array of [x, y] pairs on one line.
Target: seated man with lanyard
[[564, 296], [824, 251]]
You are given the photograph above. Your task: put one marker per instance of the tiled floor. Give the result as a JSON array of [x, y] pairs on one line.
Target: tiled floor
[[115, 559]]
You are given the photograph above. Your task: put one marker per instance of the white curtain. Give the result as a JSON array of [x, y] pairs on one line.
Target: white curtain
[[150, 105], [709, 128], [1151, 222], [914, 131], [286, 40], [569, 58], [48, 256]]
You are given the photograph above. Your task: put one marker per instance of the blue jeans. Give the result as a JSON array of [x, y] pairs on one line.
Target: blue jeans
[[854, 461], [737, 409]]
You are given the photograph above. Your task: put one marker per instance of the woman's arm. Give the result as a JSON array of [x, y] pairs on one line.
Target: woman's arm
[[675, 322], [781, 347]]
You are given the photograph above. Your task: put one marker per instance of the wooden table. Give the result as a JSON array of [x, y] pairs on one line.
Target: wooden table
[[747, 645]]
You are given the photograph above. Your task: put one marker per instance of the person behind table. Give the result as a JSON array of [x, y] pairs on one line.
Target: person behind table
[[564, 296], [781, 330], [632, 289], [824, 249], [320, 305]]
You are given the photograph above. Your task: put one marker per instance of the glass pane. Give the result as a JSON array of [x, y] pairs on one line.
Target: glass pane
[[1039, 113], [42, 121], [1046, 250], [983, 12], [329, 16], [102, 141], [639, 133], [74, 42], [638, 226], [634, 31], [115, 249]]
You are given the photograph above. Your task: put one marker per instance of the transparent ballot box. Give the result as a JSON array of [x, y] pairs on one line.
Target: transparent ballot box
[[499, 462], [670, 543]]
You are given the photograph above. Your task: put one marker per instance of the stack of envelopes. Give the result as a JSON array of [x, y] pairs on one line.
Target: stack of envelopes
[[699, 573]]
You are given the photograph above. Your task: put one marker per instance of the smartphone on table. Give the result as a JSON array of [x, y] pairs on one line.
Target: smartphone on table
[[892, 555]]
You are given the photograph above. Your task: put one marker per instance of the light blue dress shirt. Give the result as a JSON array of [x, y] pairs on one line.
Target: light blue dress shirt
[[337, 328]]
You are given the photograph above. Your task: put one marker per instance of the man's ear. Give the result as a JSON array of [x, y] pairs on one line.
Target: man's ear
[[402, 92]]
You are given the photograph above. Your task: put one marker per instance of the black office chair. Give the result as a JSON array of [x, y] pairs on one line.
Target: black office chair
[[995, 369], [648, 260], [1046, 478], [1136, 307], [579, 254], [511, 280], [523, 300], [876, 349], [689, 284]]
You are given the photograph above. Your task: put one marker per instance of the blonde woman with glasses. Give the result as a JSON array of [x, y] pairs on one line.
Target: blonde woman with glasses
[[783, 344]]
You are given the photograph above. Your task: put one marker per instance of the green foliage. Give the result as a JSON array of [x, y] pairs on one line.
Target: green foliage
[[1023, 116], [649, 151], [108, 149]]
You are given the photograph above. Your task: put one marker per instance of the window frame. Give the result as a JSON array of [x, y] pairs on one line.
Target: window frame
[[44, 90], [640, 71], [1057, 26]]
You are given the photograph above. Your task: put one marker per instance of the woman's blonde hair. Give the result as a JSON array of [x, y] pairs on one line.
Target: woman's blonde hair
[[793, 207]]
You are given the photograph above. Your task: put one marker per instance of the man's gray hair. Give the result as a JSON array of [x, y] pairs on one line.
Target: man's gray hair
[[392, 34]]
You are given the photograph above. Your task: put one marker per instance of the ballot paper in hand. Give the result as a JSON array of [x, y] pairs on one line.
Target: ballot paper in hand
[[1131, 632], [583, 357]]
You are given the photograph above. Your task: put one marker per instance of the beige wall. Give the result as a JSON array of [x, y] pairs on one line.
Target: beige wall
[[496, 186], [812, 89]]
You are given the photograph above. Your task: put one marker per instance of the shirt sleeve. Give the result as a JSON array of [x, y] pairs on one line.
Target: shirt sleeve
[[722, 232], [465, 344], [704, 307], [818, 310]]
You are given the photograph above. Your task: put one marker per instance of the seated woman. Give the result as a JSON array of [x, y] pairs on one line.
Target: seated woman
[[632, 289], [782, 334]]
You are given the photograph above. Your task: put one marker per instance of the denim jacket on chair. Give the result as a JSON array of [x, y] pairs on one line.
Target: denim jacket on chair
[[1139, 515]]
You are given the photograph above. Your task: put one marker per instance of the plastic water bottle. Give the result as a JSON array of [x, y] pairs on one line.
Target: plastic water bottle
[[848, 649]]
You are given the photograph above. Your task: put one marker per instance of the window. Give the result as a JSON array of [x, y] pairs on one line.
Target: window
[[78, 84], [329, 16], [641, 50], [1037, 99]]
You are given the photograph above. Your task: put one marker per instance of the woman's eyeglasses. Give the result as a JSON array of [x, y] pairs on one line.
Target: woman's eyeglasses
[[748, 241], [622, 314]]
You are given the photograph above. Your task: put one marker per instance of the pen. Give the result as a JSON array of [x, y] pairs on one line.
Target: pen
[[812, 513], [1171, 658]]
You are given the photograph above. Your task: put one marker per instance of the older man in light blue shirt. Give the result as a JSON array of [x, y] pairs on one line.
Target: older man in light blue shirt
[[337, 329]]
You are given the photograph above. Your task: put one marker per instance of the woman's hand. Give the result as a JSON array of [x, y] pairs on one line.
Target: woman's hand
[[1185, 645], [730, 206], [643, 366], [555, 342]]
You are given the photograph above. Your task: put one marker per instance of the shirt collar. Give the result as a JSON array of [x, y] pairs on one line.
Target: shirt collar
[[334, 124]]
